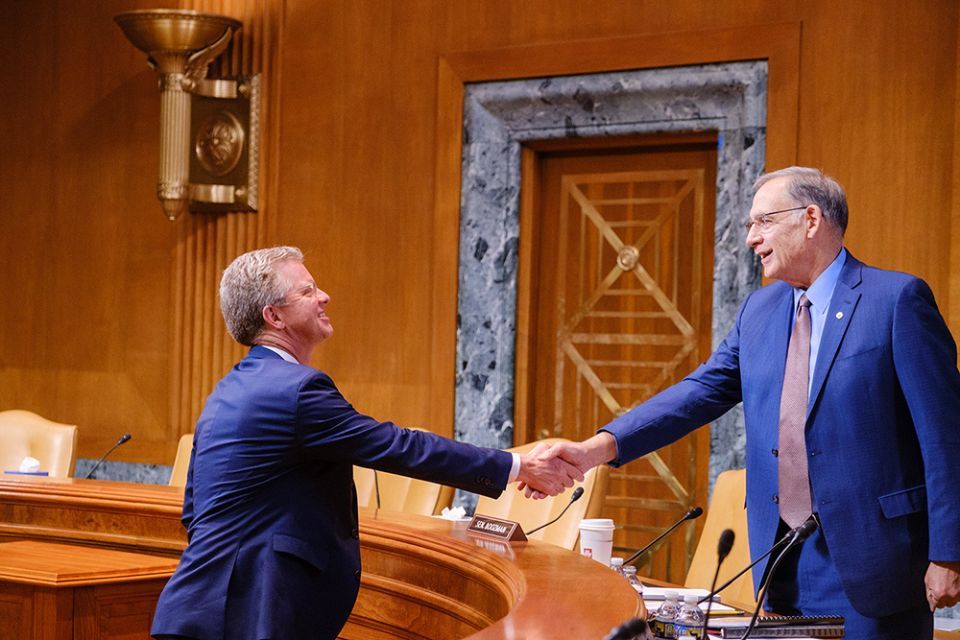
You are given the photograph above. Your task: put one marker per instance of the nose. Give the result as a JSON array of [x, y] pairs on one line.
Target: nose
[[753, 236], [323, 296]]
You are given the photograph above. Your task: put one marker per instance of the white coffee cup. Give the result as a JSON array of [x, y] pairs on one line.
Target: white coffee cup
[[596, 539]]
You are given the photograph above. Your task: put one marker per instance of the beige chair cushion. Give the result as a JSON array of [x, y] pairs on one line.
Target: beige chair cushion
[[23, 434], [512, 505], [400, 493], [726, 511], [182, 462]]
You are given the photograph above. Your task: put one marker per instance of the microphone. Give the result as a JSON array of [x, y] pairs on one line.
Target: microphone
[[376, 487], [124, 438], [779, 543], [628, 630], [576, 496], [723, 550], [693, 514], [797, 536]]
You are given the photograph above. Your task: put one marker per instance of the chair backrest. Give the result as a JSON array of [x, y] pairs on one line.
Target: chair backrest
[[400, 493], [182, 462], [726, 511], [23, 433], [512, 505]]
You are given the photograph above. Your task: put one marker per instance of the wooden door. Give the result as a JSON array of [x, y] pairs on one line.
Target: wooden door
[[615, 305]]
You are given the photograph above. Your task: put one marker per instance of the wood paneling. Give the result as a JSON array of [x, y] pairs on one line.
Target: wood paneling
[[109, 319]]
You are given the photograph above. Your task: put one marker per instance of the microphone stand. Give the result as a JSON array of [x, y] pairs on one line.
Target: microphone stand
[[376, 487], [576, 496], [723, 550], [124, 438], [782, 541], [696, 512], [802, 533]]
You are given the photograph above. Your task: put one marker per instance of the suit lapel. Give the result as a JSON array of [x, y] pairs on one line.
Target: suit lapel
[[842, 307]]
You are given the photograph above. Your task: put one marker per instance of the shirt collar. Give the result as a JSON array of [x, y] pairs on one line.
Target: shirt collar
[[280, 352], [821, 291]]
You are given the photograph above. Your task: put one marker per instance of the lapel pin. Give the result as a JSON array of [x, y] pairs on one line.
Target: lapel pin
[[839, 315]]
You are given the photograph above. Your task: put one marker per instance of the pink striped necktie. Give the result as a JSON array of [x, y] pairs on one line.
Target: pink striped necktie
[[794, 500]]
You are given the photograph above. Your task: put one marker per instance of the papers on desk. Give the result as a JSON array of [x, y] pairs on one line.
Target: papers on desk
[[653, 597], [653, 605], [660, 593]]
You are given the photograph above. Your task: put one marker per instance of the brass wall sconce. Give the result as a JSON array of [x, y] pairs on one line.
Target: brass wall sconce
[[209, 128]]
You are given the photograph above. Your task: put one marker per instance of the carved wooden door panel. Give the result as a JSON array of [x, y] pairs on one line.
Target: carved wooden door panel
[[629, 271]]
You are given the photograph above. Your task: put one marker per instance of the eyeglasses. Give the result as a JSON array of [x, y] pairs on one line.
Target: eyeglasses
[[765, 220], [309, 291]]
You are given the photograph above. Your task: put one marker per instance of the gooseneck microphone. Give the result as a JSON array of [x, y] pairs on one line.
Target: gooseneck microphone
[[693, 514], [629, 629], [376, 487], [797, 536], [576, 496], [787, 537], [124, 438], [723, 550]]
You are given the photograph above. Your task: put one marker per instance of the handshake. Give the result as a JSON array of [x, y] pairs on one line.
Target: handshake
[[547, 470]]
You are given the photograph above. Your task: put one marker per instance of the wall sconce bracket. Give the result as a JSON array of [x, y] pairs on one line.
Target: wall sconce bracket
[[225, 147]]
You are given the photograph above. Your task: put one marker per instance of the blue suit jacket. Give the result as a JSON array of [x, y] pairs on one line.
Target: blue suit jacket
[[270, 507], [882, 432]]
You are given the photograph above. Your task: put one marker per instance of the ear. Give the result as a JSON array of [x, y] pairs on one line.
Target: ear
[[273, 317], [813, 220]]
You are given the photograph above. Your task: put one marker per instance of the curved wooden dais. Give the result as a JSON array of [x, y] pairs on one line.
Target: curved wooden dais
[[87, 559]]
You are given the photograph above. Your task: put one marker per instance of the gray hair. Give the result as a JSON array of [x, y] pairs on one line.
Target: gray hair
[[812, 186], [249, 284]]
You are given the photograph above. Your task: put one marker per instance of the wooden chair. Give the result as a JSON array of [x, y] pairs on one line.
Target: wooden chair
[[400, 493], [23, 433], [512, 505], [726, 511], [178, 478]]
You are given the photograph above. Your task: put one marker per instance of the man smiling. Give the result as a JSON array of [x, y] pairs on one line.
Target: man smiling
[[851, 398], [270, 508]]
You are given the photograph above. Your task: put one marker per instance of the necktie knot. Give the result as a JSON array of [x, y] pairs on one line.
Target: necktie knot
[[804, 301]]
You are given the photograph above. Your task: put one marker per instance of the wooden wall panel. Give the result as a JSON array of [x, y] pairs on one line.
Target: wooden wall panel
[[109, 318]]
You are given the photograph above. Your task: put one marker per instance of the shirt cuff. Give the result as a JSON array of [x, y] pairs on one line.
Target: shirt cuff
[[515, 468]]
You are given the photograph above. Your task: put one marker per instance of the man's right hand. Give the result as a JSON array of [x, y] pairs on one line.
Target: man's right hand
[[544, 474], [583, 456]]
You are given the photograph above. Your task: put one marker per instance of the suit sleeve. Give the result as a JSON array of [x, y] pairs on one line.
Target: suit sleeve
[[704, 395], [331, 429], [925, 357]]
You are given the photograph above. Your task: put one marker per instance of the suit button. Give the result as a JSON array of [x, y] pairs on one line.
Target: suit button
[[775, 452], [355, 533], [356, 574], [776, 499]]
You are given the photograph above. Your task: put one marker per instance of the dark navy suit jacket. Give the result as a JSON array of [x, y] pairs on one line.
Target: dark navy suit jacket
[[882, 431], [270, 507]]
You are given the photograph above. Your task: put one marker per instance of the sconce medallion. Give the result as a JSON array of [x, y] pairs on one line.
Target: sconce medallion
[[219, 143]]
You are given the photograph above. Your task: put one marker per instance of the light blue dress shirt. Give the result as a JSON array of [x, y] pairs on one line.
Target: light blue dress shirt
[[819, 294]]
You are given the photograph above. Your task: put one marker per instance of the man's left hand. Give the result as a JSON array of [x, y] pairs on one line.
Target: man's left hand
[[943, 584]]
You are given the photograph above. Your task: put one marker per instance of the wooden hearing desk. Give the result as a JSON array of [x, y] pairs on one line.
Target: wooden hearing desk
[[87, 559]]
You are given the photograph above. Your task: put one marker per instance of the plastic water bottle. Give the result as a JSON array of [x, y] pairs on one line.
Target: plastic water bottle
[[689, 619], [663, 622], [630, 573], [616, 563]]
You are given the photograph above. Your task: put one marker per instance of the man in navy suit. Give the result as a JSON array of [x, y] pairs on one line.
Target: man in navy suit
[[270, 508], [879, 436]]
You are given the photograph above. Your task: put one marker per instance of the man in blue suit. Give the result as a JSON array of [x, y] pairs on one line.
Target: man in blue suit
[[876, 449], [270, 508]]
